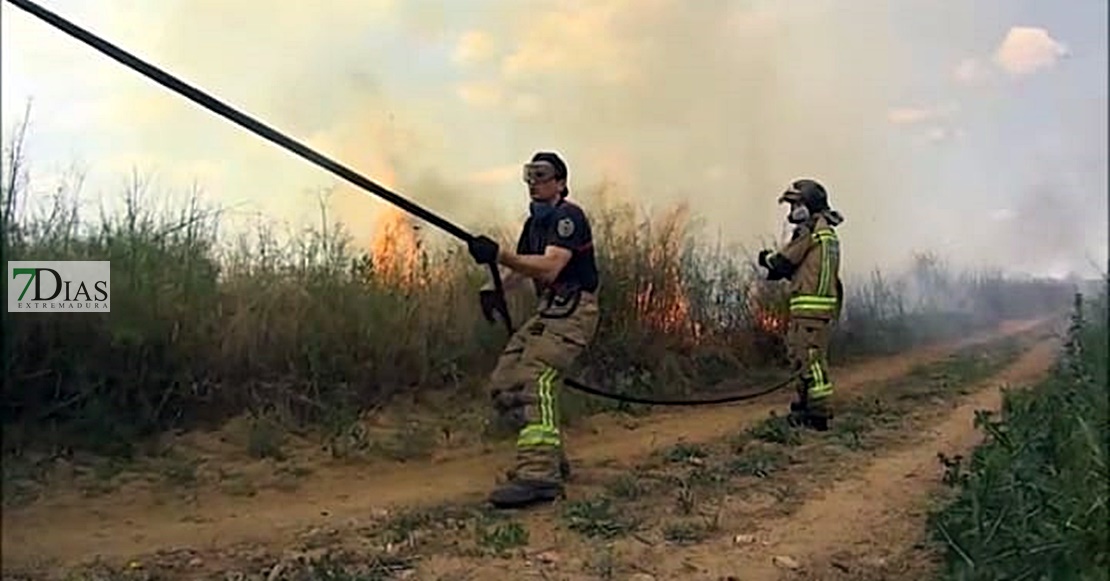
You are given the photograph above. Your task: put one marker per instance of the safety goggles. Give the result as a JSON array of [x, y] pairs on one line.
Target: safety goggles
[[539, 172]]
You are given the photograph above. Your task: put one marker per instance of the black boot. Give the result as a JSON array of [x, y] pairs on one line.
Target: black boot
[[818, 423], [521, 493], [819, 416], [803, 416], [797, 415]]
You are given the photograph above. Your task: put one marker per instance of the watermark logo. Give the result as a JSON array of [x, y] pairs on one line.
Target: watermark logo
[[59, 286]]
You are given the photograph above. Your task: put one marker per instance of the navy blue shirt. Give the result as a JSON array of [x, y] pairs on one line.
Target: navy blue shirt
[[565, 227]]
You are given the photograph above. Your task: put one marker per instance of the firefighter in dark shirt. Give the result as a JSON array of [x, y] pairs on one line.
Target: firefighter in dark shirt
[[555, 250]]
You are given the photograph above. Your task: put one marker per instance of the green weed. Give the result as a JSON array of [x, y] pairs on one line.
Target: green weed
[[686, 532], [776, 430], [597, 518], [628, 486], [1033, 499], [353, 568], [758, 461], [500, 537], [265, 439], [685, 452]]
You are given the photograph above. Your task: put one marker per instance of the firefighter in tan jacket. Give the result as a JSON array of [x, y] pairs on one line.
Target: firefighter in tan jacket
[[811, 262]]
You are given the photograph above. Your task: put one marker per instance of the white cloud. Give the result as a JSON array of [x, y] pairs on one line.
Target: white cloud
[[940, 133], [491, 94], [714, 173], [914, 115], [480, 94], [526, 105], [970, 71], [907, 115], [503, 174], [1026, 50], [1002, 215], [474, 46], [756, 21], [581, 39]]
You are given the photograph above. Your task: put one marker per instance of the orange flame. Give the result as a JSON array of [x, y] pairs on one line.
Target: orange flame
[[662, 303], [769, 323], [396, 246], [666, 309], [762, 306], [396, 249]]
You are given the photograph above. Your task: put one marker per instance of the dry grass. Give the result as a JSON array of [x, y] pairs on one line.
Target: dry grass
[[314, 330]]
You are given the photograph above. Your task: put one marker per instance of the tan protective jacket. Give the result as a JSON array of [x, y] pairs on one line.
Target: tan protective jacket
[[814, 259]]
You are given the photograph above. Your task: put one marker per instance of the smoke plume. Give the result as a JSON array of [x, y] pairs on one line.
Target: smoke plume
[[720, 103]]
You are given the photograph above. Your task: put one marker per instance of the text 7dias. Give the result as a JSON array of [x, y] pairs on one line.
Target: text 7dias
[[59, 286]]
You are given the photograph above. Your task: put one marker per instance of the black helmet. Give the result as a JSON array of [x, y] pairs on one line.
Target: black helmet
[[809, 193]]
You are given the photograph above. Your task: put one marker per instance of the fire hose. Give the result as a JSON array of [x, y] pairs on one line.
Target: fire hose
[[266, 132]]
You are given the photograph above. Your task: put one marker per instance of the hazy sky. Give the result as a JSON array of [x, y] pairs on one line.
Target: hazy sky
[[974, 129]]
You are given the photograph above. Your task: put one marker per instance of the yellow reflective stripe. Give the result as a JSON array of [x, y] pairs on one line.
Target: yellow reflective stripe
[[818, 308], [812, 303], [814, 308], [812, 299], [537, 435], [825, 237], [546, 432], [821, 388], [539, 429], [541, 397], [534, 441], [546, 383], [823, 277], [818, 392]]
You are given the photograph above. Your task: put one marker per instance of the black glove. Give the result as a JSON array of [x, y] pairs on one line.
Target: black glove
[[483, 249], [492, 301], [763, 254]]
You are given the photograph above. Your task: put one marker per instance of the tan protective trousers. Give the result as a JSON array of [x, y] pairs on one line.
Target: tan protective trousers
[[524, 384], [807, 341]]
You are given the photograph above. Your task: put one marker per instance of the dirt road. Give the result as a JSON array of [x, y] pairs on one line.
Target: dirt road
[[66, 530], [825, 513], [867, 526]]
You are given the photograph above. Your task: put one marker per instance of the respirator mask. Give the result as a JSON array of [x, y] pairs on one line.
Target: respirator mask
[[540, 210], [799, 213]]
